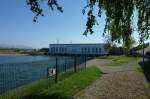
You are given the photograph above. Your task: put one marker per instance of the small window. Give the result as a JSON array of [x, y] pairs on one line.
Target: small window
[[93, 50], [60, 50], [56, 50], [88, 50], [65, 50], [96, 50], [51, 49], [82, 50], [99, 50], [85, 50]]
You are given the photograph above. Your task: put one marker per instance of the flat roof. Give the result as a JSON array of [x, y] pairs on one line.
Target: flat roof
[[79, 44]]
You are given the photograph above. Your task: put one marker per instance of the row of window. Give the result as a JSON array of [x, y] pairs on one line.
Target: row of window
[[83, 50], [60, 50], [91, 50]]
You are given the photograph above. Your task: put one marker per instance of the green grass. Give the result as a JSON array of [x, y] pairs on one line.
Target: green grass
[[118, 60], [139, 69], [64, 89], [146, 71], [34, 87], [73, 84]]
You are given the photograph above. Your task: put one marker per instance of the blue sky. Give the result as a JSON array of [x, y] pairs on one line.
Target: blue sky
[[17, 27]]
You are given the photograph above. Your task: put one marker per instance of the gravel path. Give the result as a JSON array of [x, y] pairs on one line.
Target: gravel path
[[119, 82], [102, 64]]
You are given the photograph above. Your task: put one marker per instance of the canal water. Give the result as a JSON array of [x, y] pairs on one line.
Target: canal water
[[19, 70]]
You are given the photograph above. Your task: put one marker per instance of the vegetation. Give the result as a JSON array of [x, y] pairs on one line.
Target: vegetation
[[44, 89], [44, 50], [9, 50], [139, 47], [146, 69], [120, 21], [118, 60], [114, 50]]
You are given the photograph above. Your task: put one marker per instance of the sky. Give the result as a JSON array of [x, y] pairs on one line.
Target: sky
[[17, 27]]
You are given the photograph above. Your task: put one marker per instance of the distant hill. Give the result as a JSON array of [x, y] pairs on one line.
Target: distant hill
[[14, 46]]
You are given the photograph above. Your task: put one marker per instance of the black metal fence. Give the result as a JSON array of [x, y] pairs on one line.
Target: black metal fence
[[13, 75], [77, 63]]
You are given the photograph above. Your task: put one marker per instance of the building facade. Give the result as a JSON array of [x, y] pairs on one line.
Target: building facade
[[78, 49]]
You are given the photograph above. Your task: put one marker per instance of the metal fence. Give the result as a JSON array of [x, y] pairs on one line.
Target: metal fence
[[13, 75], [77, 63]]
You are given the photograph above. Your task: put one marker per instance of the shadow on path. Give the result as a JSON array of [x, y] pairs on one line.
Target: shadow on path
[[146, 69]]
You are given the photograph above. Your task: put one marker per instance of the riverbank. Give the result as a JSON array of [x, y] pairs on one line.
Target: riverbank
[[11, 54], [17, 51], [64, 89]]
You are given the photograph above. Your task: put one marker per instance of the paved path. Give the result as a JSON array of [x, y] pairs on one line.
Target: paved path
[[118, 82]]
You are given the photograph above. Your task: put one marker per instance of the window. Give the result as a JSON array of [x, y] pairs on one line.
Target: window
[[82, 50], [65, 50], [88, 50], [99, 50], [85, 49], [56, 50], [51, 50], [60, 50], [96, 50], [93, 50]]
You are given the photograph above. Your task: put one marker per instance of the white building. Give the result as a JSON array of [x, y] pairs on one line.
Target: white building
[[77, 49]]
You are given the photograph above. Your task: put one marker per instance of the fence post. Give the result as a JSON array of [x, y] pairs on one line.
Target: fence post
[[56, 76], [85, 61], [47, 72], [75, 65], [65, 64]]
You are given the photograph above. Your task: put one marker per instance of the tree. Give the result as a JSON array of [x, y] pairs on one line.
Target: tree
[[119, 14]]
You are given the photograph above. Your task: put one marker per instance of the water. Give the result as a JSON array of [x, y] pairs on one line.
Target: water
[[16, 70], [21, 58]]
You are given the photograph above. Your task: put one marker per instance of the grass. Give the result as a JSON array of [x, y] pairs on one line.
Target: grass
[[34, 87], [64, 89], [118, 60], [140, 70], [146, 69]]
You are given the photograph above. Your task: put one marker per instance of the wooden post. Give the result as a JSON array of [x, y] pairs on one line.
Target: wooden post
[[56, 76]]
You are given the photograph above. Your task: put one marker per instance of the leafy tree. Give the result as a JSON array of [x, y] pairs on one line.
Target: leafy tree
[[44, 49], [119, 16]]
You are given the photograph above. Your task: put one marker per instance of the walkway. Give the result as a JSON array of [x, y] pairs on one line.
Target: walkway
[[118, 82]]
